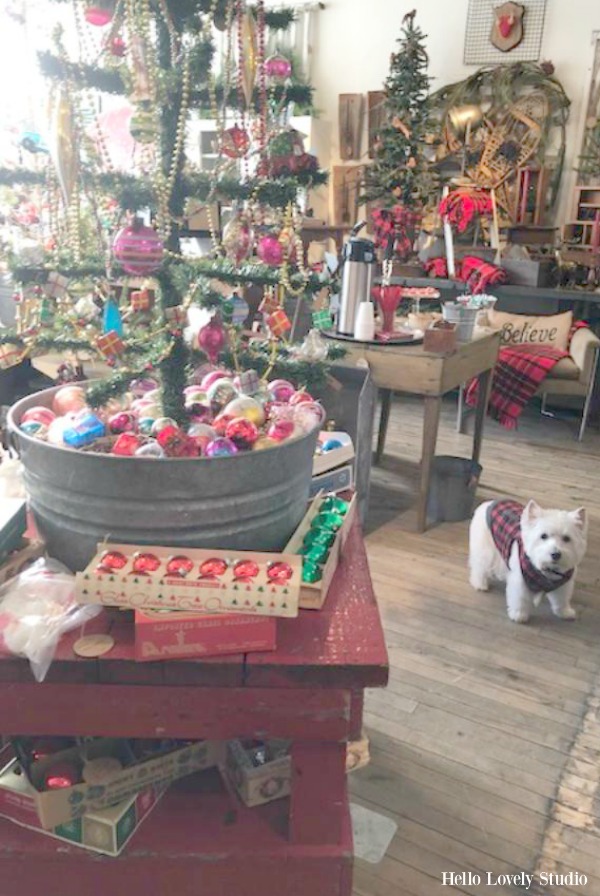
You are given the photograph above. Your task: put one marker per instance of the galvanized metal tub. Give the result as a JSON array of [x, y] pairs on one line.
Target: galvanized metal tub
[[252, 501]]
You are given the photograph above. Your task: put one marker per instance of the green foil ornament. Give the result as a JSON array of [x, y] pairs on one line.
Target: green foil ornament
[[316, 554], [335, 505], [311, 573], [330, 520], [318, 536]]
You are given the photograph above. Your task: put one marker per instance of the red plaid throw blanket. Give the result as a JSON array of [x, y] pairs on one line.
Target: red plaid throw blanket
[[519, 371]]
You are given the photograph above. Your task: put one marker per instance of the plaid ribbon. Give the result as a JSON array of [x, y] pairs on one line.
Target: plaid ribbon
[[278, 322], [478, 274], [394, 230], [110, 344], [519, 372], [321, 320]]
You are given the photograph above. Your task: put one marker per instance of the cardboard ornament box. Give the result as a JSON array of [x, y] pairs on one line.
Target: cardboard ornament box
[[57, 807], [313, 595], [225, 592], [165, 635], [26, 553], [105, 831]]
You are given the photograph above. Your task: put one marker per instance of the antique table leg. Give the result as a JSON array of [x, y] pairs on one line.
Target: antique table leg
[[431, 421], [485, 383], [386, 403]]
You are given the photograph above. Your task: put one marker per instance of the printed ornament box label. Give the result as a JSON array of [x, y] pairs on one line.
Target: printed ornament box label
[[165, 635], [197, 581]]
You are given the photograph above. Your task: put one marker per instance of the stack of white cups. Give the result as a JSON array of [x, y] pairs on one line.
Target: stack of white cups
[[364, 326]]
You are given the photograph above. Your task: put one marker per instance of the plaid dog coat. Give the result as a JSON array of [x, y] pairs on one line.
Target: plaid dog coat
[[504, 522]]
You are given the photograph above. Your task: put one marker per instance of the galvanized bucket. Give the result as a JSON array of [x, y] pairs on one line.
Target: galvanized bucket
[[252, 501]]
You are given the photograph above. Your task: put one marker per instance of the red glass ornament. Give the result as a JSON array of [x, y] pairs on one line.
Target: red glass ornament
[[126, 445], [144, 563], [281, 390], [122, 421], [98, 15], [138, 249], [279, 573], [300, 396], [246, 570], [235, 142], [173, 441], [270, 250], [221, 422], [215, 566], [179, 566], [212, 339], [111, 561], [39, 415], [117, 47], [242, 432], [61, 774], [280, 430]]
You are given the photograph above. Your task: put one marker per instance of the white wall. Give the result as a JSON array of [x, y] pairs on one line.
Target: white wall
[[353, 40]]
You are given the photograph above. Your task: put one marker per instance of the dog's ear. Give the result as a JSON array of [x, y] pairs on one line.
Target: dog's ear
[[531, 511], [579, 517]]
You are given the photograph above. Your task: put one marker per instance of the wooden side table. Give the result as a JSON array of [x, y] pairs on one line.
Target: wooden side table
[[201, 839], [409, 368]]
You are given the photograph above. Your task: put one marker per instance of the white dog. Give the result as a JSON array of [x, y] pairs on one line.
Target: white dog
[[535, 551]]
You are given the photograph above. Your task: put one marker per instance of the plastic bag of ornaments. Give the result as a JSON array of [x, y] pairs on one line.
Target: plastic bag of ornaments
[[36, 608]]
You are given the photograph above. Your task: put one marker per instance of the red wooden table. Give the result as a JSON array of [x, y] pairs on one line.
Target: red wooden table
[[201, 841]]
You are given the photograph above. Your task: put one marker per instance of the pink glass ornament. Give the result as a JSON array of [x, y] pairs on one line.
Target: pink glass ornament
[[212, 338], [308, 416], [67, 400], [270, 251], [38, 415], [242, 432], [138, 249], [221, 422], [124, 421], [280, 430], [221, 448], [277, 67], [281, 390], [98, 15], [301, 396], [214, 375]]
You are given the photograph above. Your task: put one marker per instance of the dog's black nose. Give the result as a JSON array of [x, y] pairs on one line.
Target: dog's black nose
[[556, 555]]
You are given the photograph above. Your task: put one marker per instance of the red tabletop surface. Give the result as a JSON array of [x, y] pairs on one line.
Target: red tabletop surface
[[339, 646]]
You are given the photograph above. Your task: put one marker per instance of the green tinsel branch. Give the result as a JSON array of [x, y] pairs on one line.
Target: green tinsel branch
[[11, 176], [106, 80], [113, 386], [259, 274], [31, 274], [301, 94]]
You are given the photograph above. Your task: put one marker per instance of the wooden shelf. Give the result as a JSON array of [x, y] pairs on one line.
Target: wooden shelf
[[200, 841]]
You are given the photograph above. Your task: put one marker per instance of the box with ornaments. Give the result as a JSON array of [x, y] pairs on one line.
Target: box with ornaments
[[320, 540], [193, 579]]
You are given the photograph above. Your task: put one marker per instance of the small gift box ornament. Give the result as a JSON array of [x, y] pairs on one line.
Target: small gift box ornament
[[248, 382], [278, 322], [321, 320], [142, 299], [176, 318], [10, 355], [269, 303], [56, 285], [110, 344]]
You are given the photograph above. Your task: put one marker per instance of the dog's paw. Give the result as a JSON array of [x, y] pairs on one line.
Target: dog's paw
[[479, 583], [518, 615], [566, 613]]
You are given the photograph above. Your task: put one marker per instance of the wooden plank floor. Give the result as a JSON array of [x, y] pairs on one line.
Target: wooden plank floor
[[486, 744]]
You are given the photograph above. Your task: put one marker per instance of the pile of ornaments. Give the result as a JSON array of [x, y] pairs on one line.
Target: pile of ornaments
[[227, 414], [319, 539]]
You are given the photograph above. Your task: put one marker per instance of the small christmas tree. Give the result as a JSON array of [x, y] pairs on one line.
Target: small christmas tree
[[401, 178]]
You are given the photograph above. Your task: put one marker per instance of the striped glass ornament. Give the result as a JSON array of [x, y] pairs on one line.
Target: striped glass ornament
[[138, 249]]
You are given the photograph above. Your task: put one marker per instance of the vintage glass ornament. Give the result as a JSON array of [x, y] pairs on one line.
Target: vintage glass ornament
[[248, 54], [197, 430], [145, 425], [161, 424], [234, 142], [142, 386], [38, 415], [331, 445], [138, 249], [309, 415], [209, 378], [319, 536], [126, 445], [211, 339], [68, 399], [86, 309], [311, 573], [213, 567], [328, 520], [57, 428], [123, 421], [248, 407], [279, 572], [245, 570], [221, 392], [179, 566], [34, 428], [173, 441], [281, 390], [111, 317], [117, 47], [240, 312], [145, 562], [221, 447], [143, 125], [151, 448], [278, 68], [242, 432], [316, 553], [270, 250], [280, 430], [221, 422], [300, 396], [110, 561], [238, 239], [99, 14]]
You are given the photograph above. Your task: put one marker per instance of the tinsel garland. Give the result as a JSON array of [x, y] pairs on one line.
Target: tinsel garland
[[11, 176], [259, 274], [300, 94]]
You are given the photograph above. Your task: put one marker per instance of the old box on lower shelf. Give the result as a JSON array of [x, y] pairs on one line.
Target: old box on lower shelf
[[56, 807], [313, 595], [105, 831]]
